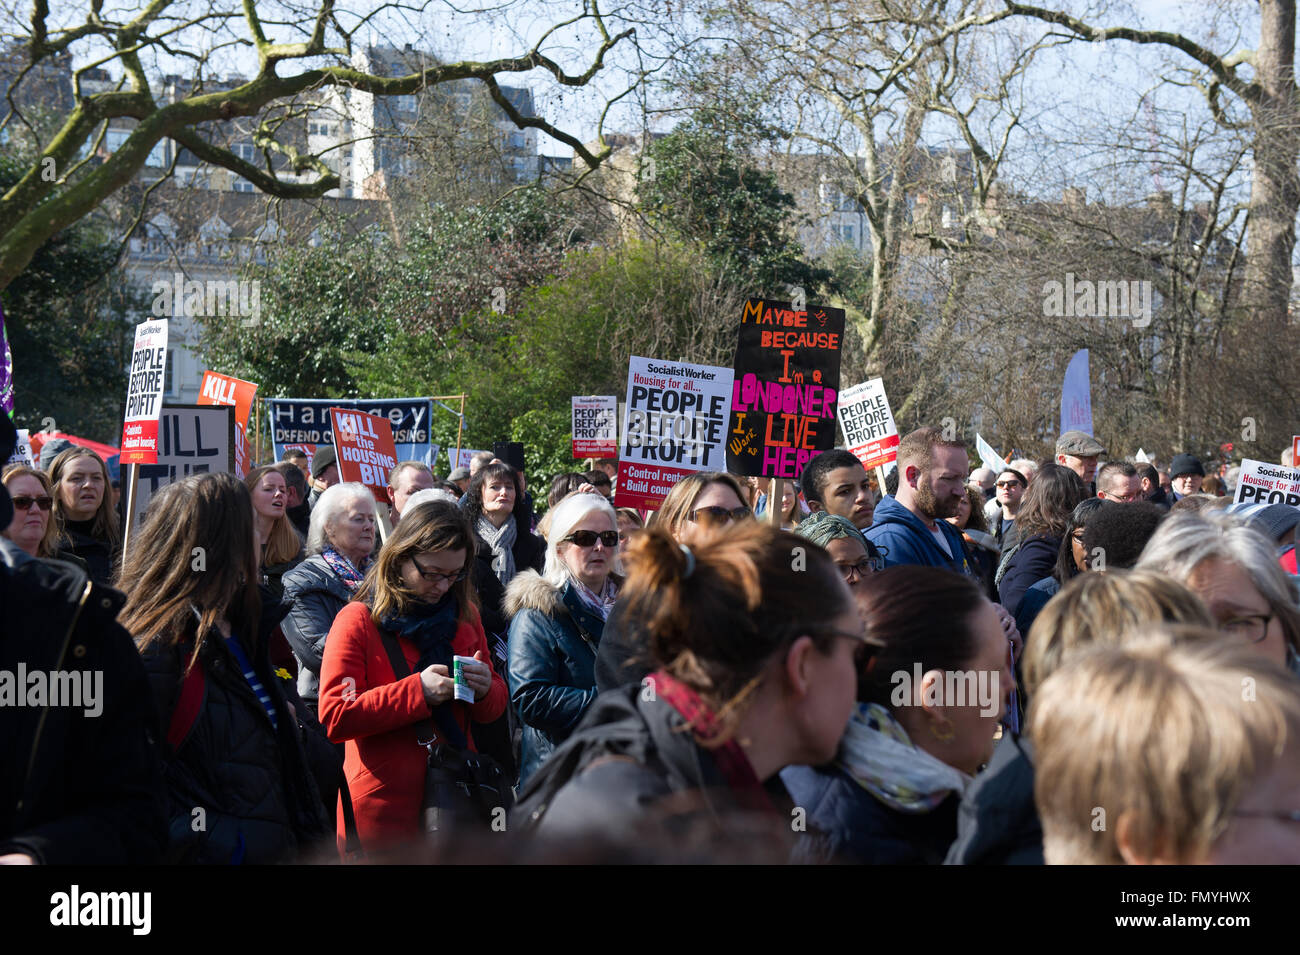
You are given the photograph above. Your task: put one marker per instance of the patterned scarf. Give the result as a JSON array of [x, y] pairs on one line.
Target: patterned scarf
[[599, 604], [502, 541], [729, 757], [877, 753], [344, 569]]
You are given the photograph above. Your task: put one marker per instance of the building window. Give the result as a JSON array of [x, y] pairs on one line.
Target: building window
[[242, 185], [167, 372]]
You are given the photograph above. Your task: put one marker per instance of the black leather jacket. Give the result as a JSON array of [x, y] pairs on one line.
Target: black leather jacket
[[317, 595]]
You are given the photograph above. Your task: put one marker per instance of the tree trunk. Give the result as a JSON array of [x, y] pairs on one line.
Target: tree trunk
[[1275, 187]]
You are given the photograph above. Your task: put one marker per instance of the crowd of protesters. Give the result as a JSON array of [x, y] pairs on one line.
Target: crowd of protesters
[[961, 667]]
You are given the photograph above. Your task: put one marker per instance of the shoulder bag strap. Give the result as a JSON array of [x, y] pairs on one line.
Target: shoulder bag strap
[[426, 730]]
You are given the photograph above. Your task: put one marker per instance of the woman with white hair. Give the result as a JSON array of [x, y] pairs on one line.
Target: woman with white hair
[[1233, 568], [339, 543], [556, 623]]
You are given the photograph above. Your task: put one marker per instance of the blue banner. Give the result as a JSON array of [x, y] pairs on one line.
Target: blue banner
[[306, 421]]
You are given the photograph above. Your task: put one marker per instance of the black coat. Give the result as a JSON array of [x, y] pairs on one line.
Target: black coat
[[238, 789], [529, 552], [99, 558], [849, 824], [80, 789], [630, 770], [998, 823], [621, 658]]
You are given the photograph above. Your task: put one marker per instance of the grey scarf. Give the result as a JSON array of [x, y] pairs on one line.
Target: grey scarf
[[502, 541]]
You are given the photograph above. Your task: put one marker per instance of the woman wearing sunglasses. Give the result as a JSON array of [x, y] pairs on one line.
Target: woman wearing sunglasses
[[556, 622], [33, 527], [418, 591], [700, 501]]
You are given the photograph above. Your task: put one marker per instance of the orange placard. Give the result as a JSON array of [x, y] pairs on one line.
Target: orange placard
[[365, 449], [219, 389]]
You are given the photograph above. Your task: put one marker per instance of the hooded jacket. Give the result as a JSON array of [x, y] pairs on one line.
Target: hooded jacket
[[903, 539], [632, 769], [76, 786], [552, 666]]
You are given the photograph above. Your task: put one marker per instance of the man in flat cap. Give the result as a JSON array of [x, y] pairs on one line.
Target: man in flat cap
[[1078, 452]]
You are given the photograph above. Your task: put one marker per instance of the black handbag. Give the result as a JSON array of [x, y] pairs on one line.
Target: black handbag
[[462, 788]]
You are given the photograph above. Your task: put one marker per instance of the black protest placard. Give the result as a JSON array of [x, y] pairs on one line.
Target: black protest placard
[[786, 388]]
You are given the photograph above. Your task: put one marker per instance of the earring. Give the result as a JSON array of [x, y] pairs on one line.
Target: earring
[[947, 735]]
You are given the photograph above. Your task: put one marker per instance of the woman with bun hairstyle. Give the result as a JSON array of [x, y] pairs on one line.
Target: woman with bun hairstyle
[[753, 670], [696, 503]]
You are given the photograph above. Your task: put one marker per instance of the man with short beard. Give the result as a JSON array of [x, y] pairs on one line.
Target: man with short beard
[[909, 527]]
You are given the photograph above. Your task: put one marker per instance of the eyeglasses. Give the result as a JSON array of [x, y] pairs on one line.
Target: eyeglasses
[[863, 567], [588, 538], [1252, 628], [1007, 484], [434, 577], [24, 503], [715, 515]]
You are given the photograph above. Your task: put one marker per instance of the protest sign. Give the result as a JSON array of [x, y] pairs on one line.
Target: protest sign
[[22, 451], [307, 421], [1142, 457], [218, 389], [1295, 450], [192, 439], [462, 459], [366, 453], [307, 449], [988, 456], [785, 388], [144, 393], [595, 425], [675, 424], [1076, 395], [868, 424], [1263, 483]]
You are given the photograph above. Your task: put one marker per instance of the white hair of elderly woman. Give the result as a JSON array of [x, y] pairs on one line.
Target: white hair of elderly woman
[[565, 515], [1183, 541], [332, 503]]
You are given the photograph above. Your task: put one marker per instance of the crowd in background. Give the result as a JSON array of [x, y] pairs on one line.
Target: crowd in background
[[962, 667]]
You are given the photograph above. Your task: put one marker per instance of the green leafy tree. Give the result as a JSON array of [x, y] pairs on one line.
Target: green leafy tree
[[704, 191], [69, 320]]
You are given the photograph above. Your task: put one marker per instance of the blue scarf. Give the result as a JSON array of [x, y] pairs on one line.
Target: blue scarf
[[431, 627]]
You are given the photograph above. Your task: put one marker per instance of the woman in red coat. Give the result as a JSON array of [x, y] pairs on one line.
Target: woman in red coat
[[418, 591]]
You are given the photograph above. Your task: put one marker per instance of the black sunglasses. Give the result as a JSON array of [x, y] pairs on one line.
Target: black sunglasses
[[24, 503], [589, 538], [434, 577], [720, 515]]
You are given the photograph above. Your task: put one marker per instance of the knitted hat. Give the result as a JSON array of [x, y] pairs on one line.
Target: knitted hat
[[1185, 464], [322, 459]]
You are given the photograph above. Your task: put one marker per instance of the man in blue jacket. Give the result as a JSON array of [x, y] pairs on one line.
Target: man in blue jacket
[[909, 527]]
